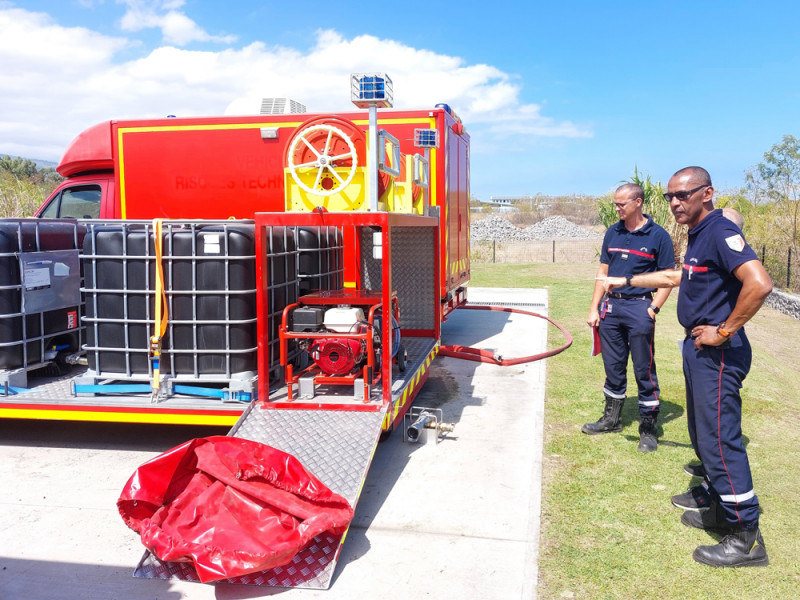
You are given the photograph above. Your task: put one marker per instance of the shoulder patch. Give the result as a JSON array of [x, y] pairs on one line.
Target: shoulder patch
[[735, 242]]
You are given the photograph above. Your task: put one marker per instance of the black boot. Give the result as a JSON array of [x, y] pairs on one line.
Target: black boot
[[738, 549], [648, 442], [609, 422], [695, 470], [712, 519]]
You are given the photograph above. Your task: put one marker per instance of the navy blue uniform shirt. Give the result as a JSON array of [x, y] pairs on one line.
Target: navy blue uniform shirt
[[709, 290], [645, 250]]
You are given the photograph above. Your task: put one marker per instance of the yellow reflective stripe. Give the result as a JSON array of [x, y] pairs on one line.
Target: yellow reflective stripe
[[391, 414], [120, 417], [161, 128], [431, 122], [208, 127]]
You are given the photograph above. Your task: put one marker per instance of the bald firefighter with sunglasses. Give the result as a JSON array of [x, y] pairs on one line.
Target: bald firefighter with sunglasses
[[722, 285]]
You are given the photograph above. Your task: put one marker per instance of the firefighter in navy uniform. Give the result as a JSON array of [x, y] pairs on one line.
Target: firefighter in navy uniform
[[722, 285], [626, 316]]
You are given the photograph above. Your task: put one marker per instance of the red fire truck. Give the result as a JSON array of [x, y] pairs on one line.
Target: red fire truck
[[286, 274]]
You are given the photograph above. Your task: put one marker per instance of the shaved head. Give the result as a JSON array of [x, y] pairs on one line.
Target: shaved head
[[697, 175], [632, 190], [734, 215]]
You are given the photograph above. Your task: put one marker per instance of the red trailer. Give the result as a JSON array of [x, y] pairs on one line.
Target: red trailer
[[286, 274]]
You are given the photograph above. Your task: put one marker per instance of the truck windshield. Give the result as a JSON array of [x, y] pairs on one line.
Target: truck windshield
[[80, 202]]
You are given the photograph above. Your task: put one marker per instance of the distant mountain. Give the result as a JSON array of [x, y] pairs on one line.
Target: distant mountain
[[41, 164]]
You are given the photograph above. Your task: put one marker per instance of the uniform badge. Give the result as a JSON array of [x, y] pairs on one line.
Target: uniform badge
[[735, 242]]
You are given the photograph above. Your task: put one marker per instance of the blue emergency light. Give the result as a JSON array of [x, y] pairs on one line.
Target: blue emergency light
[[371, 89], [426, 138]]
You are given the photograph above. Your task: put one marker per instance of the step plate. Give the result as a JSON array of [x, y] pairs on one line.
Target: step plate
[[337, 447]]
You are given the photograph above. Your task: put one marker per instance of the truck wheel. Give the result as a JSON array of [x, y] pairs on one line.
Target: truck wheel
[[402, 360]]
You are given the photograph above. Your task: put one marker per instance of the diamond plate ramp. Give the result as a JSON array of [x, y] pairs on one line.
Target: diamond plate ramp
[[337, 447]]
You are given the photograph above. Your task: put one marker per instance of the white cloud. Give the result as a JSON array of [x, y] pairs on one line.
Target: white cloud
[[57, 80], [176, 27]]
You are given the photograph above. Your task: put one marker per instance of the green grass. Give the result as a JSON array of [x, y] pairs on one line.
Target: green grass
[[608, 529]]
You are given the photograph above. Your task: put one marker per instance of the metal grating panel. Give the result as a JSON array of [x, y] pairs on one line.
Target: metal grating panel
[[510, 304], [336, 446], [413, 267], [413, 276]]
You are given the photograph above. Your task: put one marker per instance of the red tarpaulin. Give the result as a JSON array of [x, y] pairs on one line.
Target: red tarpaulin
[[229, 506]]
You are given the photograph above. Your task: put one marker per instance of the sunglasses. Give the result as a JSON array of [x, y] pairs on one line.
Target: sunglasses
[[624, 204], [683, 195]]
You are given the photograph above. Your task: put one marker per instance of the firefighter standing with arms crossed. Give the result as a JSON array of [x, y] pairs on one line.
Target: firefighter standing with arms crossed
[[626, 317], [722, 285]]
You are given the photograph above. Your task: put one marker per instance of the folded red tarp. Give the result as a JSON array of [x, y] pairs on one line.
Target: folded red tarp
[[229, 506]]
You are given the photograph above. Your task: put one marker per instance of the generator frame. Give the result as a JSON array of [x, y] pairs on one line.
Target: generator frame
[[394, 257], [367, 376]]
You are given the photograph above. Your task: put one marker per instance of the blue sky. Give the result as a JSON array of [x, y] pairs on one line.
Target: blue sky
[[559, 98]]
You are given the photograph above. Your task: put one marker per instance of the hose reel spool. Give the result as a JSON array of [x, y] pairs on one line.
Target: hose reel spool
[[336, 154]]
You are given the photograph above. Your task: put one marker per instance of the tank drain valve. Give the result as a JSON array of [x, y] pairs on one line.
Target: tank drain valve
[[424, 425]]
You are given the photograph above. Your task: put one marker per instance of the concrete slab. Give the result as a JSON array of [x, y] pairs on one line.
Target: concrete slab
[[458, 519]]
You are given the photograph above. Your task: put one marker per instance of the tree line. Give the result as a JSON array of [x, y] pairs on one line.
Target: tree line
[[769, 203]]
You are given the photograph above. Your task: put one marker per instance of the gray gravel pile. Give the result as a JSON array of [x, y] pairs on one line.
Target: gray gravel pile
[[499, 229]]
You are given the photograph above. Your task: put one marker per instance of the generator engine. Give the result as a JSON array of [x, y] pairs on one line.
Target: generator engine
[[339, 356], [333, 356]]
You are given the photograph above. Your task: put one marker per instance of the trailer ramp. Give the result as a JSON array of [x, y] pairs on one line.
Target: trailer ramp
[[337, 446]]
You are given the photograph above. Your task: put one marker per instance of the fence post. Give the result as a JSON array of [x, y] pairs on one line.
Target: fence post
[[789, 270], [554, 251], [494, 248]]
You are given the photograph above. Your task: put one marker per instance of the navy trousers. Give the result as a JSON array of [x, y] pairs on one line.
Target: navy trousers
[[626, 329], [714, 378]]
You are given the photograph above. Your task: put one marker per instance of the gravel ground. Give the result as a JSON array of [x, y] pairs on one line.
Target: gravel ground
[[497, 228]]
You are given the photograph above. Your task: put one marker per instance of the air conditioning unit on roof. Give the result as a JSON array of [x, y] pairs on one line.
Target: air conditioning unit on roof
[[281, 106]]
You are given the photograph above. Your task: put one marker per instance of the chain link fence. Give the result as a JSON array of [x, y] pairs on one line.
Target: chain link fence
[[783, 265], [538, 251]]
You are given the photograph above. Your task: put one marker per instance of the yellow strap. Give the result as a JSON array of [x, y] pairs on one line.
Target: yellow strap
[[161, 310]]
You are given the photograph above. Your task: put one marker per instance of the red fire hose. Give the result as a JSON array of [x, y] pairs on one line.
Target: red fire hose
[[486, 356]]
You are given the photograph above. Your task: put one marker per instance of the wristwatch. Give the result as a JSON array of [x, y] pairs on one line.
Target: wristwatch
[[654, 308], [628, 280], [722, 332]]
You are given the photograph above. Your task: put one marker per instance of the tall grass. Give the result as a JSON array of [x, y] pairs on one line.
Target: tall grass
[[608, 530], [19, 198]]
